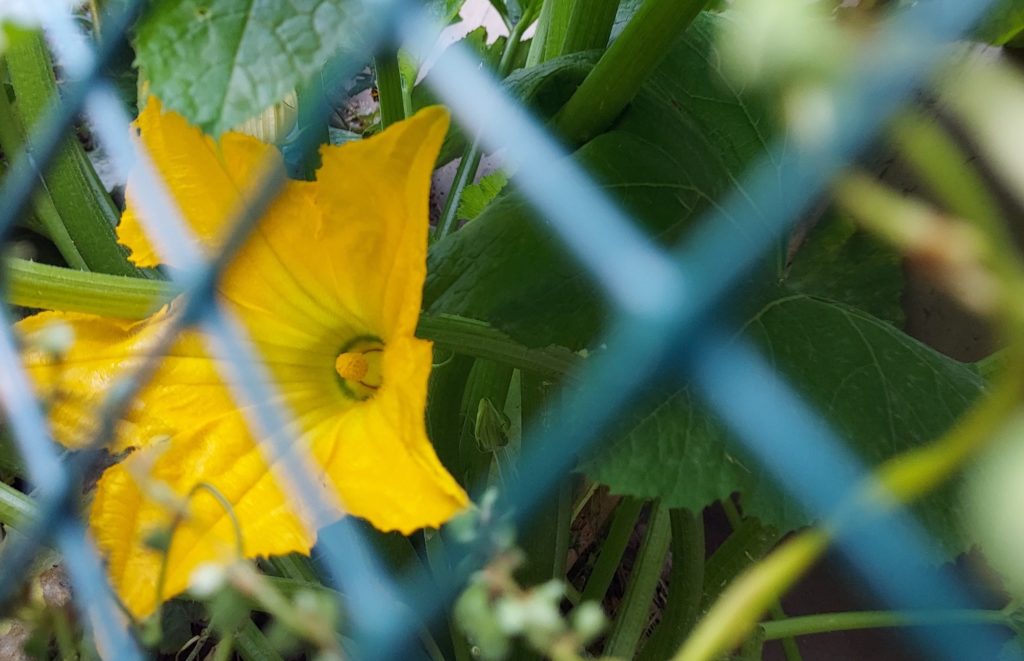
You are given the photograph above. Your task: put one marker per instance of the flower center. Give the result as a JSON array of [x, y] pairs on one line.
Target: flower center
[[359, 367]]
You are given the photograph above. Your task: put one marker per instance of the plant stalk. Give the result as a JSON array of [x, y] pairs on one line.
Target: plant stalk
[[612, 549], [545, 539], [634, 612], [12, 141], [85, 209], [686, 584], [590, 25], [624, 68], [16, 508], [47, 287], [551, 30], [389, 88], [807, 625], [470, 163]]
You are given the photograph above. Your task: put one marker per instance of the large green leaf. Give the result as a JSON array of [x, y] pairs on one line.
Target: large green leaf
[[505, 268], [881, 390], [682, 143], [220, 62], [839, 261]]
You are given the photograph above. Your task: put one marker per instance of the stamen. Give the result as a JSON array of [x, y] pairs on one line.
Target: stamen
[[352, 366], [359, 367]]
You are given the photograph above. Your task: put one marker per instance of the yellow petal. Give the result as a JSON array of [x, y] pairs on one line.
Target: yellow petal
[[375, 453], [362, 260], [207, 178], [75, 383], [136, 499], [382, 213], [379, 455], [332, 260], [186, 391]]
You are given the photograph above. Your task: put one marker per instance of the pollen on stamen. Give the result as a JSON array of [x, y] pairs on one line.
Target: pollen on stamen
[[352, 366]]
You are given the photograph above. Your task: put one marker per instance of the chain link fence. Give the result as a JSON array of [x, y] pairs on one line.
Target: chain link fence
[[666, 320]]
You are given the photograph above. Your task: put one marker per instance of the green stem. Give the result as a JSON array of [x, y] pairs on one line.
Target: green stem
[[10, 460], [551, 30], [16, 508], [64, 636], [614, 545], [545, 539], [487, 380], [470, 162], [829, 622], [85, 209], [35, 285], [464, 175], [686, 584], [296, 568], [635, 609], [624, 67], [47, 287], [590, 25], [789, 645], [389, 87], [44, 211]]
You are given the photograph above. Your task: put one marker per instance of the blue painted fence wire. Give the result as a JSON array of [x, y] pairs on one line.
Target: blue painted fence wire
[[665, 300]]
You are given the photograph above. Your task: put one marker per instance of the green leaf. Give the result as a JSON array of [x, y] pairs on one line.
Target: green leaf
[[505, 268], [543, 89], [840, 262], [220, 62], [1003, 24], [880, 389], [476, 197], [683, 142], [446, 11]]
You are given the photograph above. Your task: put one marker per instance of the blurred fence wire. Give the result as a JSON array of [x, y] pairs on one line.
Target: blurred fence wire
[[666, 322]]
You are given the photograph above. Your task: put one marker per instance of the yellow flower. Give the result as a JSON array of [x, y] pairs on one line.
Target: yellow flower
[[329, 287]]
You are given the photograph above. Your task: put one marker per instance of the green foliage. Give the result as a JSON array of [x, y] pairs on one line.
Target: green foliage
[[883, 391], [220, 62], [683, 142], [446, 10], [1003, 24], [827, 317], [476, 197], [842, 263]]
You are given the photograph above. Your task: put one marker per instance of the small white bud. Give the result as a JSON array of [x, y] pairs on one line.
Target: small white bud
[[206, 580], [55, 339], [588, 620]]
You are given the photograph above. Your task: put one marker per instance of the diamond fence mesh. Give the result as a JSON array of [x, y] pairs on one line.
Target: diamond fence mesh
[[666, 320]]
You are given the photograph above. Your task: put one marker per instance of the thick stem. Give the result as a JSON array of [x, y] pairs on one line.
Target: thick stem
[[624, 67], [551, 31], [828, 622], [12, 141], [634, 612], [47, 287], [686, 584], [78, 195], [16, 508], [389, 88], [789, 646], [35, 285], [614, 545], [590, 25], [545, 539]]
